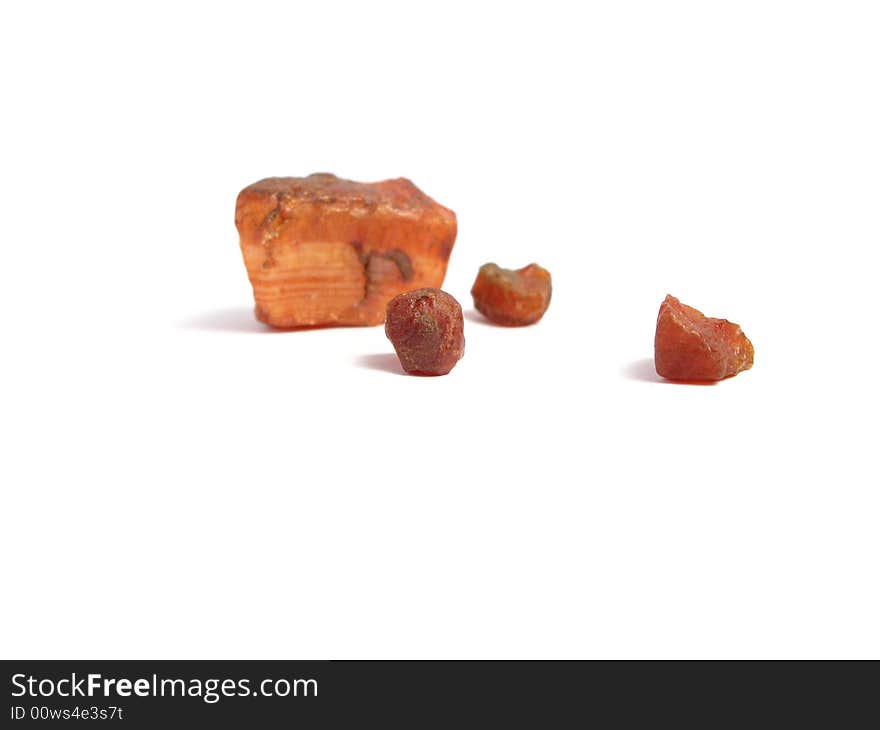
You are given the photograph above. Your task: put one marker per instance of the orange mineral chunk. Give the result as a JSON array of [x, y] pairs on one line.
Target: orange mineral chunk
[[512, 297], [320, 250], [690, 346]]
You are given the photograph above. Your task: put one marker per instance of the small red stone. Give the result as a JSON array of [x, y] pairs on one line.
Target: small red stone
[[426, 328], [690, 346], [512, 297]]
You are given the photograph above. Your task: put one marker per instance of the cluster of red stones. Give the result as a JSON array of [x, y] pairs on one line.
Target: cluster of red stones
[[321, 250]]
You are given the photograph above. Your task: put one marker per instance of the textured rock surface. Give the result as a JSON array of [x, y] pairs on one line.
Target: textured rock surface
[[320, 250], [426, 328], [690, 346], [512, 297]]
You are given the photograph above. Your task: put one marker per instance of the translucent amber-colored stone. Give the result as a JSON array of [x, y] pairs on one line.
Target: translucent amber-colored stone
[[690, 346], [426, 328], [512, 297], [320, 250]]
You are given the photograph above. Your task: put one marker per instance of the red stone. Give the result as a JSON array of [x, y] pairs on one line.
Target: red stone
[[426, 328], [690, 346], [512, 297]]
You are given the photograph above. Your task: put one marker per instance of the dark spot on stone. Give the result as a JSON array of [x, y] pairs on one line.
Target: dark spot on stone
[[372, 268], [404, 265]]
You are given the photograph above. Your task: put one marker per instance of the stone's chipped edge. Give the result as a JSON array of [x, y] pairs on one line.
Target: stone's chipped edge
[[271, 224]]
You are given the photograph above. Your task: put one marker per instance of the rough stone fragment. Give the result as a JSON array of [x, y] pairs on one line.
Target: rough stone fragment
[[690, 346], [512, 297], [426, 328], [320, 250]]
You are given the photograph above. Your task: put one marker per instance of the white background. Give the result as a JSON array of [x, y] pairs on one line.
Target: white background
[[179, 482]]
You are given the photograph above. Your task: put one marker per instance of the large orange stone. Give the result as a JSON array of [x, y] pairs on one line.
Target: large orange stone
[[320, 250], [690, 346]]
